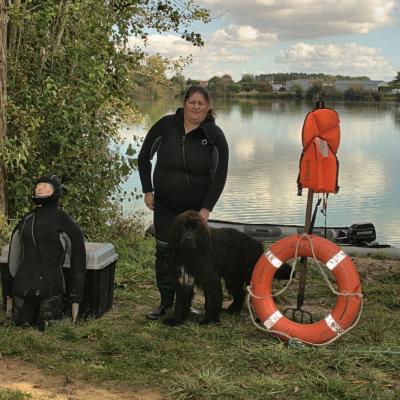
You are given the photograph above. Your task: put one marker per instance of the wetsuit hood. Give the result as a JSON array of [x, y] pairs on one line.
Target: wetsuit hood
[[52, 180]]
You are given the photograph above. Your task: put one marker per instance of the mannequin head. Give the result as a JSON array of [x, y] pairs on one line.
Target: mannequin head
[[48, 189], [44, 189]]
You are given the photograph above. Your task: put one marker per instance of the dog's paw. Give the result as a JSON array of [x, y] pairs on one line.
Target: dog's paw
[[234, 310], [206, 321]]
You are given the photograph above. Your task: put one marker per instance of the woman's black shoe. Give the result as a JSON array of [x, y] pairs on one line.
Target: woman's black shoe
[[157, 312]]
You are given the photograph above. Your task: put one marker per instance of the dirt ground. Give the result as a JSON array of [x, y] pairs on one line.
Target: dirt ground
[[373, 267], [40, 385]]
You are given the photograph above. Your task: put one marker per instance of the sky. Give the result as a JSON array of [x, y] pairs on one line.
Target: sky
[[346, 37]]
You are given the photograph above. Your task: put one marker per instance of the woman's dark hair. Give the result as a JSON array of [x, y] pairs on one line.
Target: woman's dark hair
[[204, 93]]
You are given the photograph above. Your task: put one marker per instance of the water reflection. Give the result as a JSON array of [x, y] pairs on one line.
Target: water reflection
[[265, 146]]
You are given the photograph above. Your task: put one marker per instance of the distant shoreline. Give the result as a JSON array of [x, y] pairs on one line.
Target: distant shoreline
[[294, 96]]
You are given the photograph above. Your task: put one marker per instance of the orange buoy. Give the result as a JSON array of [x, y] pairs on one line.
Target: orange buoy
[[348, 301]]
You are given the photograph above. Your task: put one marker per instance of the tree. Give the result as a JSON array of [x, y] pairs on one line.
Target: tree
[[248, 78], [298, 90], [354, 92], [190, 82], [69, 90], [226, 79], [149, 78], [396, 80], [315, 89], [218, 86], [179, 81], [3, 94]]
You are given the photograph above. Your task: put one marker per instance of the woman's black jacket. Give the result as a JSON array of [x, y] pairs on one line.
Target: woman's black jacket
[[191, 169]]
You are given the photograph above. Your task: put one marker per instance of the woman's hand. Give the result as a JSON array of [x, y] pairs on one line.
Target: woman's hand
[[149, 200], [204, 213]]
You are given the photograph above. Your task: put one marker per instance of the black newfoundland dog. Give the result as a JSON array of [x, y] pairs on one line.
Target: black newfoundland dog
[[201, 256]]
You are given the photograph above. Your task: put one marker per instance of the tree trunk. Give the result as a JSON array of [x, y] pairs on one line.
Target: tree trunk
[[12, 28], [3, 95], [62, 21]]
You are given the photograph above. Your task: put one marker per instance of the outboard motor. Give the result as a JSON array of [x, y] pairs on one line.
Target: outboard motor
[[361, 233]]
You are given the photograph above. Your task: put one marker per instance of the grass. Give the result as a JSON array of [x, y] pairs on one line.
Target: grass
[[10, 394], [231, 360]]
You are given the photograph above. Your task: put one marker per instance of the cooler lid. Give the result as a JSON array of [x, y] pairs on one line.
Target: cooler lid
[[98, 255]]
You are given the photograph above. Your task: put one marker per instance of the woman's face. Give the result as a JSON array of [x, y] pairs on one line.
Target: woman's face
[[44, 189], [196, 108]]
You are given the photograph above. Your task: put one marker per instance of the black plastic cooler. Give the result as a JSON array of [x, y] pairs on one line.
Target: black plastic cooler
[[99, 285]]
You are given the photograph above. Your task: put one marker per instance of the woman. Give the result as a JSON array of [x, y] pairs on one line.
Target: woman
[[190, 174], [35, 280]]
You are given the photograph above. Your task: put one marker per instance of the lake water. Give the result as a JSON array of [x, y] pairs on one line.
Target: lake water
[[265, 145]]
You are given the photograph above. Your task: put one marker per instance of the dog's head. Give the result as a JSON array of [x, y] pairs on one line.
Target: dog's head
[[189, 231]]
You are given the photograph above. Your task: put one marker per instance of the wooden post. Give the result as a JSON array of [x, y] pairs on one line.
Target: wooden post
[[303, 262], [3, 96]]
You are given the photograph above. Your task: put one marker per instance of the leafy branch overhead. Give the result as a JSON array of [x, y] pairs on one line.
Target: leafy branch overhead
[[72, 74], [136, 17]]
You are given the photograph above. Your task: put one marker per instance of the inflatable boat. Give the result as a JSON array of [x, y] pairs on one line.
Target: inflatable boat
[[274, 232], [356, 240]]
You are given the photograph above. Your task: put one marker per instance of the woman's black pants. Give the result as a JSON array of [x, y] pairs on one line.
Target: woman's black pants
[[163, 218]]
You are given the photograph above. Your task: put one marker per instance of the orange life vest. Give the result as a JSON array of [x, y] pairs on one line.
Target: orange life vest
[[319, 166]]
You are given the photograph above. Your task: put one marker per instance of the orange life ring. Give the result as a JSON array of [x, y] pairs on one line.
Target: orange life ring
[[347, 304]]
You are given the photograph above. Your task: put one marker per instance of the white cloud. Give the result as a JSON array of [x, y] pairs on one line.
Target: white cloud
[[242, 36], [344, 59], [248, 32], [301, 19], [216, 58], [166, 45]]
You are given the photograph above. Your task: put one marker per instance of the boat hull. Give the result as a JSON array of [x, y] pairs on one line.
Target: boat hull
[[274, 232], [270, 233]]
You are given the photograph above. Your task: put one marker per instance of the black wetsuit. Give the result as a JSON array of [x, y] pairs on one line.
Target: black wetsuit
[[37, 251], [190, 174]]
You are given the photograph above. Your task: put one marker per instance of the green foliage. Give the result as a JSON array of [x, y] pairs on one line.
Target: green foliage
[[4, 231], [11, 394], [248, 78], [356, 92], [250, 85], [218, 86], [191, 82], [298, 90], [291, 76], [396, 80], [179, 80], [150, 82], [69, 89], [315, 89]]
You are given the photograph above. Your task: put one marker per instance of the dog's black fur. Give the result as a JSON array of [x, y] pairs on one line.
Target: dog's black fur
[[201, 256]]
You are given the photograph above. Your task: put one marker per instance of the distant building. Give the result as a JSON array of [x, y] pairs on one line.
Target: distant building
[[203, 83], [342, 85], [277, 87], [305, 84]]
